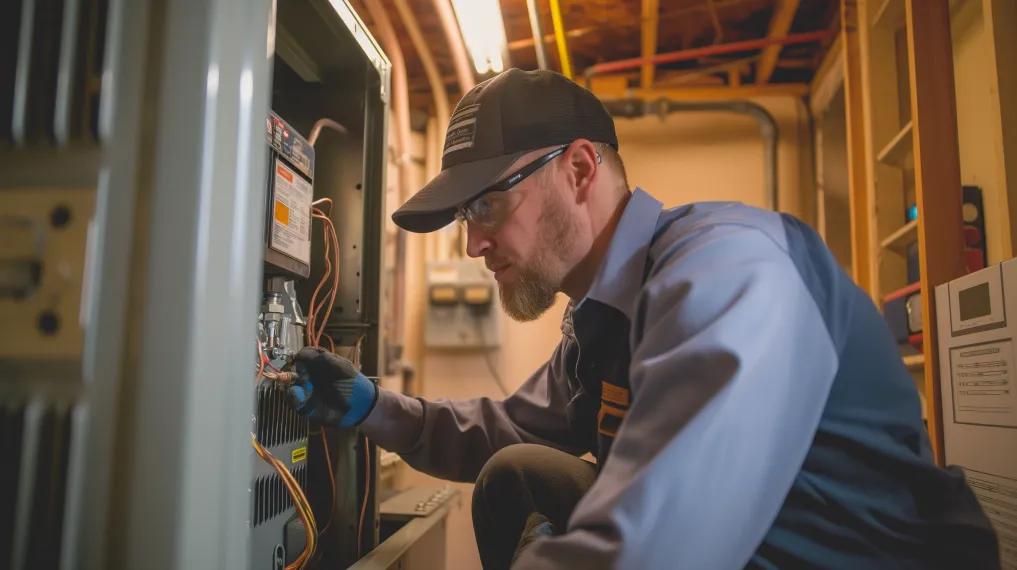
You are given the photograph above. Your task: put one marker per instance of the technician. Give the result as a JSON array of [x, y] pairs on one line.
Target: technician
[[744, 400]]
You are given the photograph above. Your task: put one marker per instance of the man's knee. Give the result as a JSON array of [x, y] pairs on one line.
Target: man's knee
[[507, 469]]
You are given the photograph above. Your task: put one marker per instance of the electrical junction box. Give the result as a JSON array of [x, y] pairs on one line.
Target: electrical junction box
[[290, 193], [461, 313]]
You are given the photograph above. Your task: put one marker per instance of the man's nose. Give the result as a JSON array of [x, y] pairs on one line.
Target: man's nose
[[477, 242]]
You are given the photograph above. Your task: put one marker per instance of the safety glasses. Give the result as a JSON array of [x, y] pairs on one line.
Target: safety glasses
[[489, 210]]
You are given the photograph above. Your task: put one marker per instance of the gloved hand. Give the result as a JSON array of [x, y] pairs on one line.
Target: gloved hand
[[537, 525], [330, 390]]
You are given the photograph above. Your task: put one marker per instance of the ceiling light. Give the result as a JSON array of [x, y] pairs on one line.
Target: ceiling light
[[484, 33]]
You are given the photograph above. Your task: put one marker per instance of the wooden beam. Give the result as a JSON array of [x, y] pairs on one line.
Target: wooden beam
[[734, 77], [796, 90], [857, 151], [783, 14], [829, 77], [1000, 17], [651, 13], [937, 179], [527, 42]]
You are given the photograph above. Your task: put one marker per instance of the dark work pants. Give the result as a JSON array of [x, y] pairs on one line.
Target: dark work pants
[[519, 480]]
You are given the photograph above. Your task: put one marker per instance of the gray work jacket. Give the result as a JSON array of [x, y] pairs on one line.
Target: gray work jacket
[[746, 401]]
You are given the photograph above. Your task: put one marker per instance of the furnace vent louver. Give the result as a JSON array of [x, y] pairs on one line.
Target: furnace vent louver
[[51, 55], [271, 497], [277, 422], [34, 444]]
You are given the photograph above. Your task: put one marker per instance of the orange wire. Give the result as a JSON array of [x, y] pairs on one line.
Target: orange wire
[[299, 502], [261, 362], [322, 309], [319, 308], [331, 478], [367, 494], [312, 314], [335, 282], [312, 318]]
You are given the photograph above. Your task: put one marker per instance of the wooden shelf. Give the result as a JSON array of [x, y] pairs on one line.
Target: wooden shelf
[[899, 240], [889, 13], [898, 151], [914, 361]]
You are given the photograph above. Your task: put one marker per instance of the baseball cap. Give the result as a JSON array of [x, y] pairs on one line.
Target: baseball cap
[[497, 122]]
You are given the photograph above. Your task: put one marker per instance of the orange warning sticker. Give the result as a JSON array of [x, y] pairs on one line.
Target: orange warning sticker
[[282, 213], [284, 172]]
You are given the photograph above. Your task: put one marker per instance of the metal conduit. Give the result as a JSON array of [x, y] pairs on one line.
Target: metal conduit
[[634, 108], [538, 33]]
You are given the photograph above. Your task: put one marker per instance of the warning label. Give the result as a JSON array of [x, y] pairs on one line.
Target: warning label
[[291, 214]]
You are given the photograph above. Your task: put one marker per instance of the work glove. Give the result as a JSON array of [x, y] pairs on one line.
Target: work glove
[[537, 526], [330, 390]]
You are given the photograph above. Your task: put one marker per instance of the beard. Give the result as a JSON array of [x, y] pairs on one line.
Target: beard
[[538, 282]]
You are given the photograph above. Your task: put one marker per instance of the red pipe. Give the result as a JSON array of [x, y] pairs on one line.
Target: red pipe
[[696, 53]]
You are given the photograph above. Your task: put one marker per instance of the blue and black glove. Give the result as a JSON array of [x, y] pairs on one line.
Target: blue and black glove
[[330, 390]]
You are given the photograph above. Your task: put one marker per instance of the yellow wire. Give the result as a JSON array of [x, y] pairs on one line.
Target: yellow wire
[[299, 501]]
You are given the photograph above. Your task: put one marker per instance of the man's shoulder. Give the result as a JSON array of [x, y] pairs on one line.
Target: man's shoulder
[[687, 225]]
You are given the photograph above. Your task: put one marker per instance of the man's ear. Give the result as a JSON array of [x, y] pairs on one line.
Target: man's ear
[[583, 168]]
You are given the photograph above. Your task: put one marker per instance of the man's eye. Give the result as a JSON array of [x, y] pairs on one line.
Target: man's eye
[[482, 207]]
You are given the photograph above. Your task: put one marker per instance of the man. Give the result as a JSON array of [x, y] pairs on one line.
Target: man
[[743, 399]]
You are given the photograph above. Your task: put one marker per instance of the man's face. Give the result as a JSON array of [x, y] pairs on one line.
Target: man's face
[[529, 252]]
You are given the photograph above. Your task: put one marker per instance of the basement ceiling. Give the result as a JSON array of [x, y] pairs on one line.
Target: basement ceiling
[[609, 30]]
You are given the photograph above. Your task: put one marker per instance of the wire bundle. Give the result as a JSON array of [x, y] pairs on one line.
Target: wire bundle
[[321, 305], [299, 500], [328, 286]]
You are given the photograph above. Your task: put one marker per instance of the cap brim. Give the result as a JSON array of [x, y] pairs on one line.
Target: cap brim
[[434, 206]]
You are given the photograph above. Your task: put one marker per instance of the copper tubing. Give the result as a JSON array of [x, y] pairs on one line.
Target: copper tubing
[[401, 112], [538, 34], [438, 91], [455, 41], [283, 377]]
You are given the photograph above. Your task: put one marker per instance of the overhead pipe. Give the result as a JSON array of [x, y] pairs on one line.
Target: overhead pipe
[[401, 112], [464, 73], [538, 33], [441, 108], [697, 53], [634, 108], [559, 37], [415, 250]]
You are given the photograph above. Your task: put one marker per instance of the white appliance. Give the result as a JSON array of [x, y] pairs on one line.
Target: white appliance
[[977, 317]]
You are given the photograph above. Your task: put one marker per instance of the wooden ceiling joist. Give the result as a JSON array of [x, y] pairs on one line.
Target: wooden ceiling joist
[[780, 24], [650, 19]]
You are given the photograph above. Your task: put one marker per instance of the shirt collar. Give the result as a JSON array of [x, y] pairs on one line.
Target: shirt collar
[[620, 276]]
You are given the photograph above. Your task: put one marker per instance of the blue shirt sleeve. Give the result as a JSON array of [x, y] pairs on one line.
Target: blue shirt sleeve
[[731, 368]]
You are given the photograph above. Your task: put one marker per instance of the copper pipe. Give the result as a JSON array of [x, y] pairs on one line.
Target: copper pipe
[[531, 8], [401, 112], [456, 45], [696, 53], [427, 60]]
